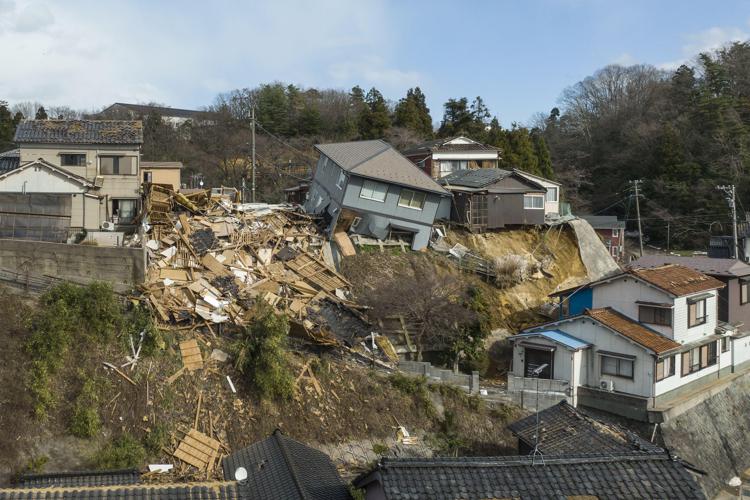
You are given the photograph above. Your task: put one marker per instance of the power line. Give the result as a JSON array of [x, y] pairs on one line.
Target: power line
[[284, 142]]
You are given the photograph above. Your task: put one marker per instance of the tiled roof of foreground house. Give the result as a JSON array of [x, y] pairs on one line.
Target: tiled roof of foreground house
[[677, 280], [564, 430], [632, 329], [277, 468], [80, 132], [624, 475], [378, 160], [445, 146]]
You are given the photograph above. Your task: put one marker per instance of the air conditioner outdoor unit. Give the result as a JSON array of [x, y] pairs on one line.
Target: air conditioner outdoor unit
[[108, 226], [607, 385]]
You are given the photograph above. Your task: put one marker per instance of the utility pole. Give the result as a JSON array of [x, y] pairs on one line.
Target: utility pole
[[729, 194], [252, 118], [638, 213]]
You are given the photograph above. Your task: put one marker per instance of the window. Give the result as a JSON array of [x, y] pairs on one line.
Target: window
[[72, 160], [447, 167], [744, 289], [698, 358], [355, 223], [533, 201], [619, 367], [123, 211], [552, 194], [724, 344], [664, 368], [411, 199], [148, 176], [116, 165], [614, 250], [341, 181], [478, 204], [372, 190], [655, 315], [615, 232], [696, 312]]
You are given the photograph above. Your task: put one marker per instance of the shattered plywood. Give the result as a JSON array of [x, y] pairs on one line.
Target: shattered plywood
[[346, 247], [191, 355], [317, 272], [198, 450]]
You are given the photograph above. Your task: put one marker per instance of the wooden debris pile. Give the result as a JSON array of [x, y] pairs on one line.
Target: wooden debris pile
[[209, 264]]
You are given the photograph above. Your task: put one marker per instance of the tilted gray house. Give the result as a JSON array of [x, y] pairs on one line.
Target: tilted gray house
[[369, 188]]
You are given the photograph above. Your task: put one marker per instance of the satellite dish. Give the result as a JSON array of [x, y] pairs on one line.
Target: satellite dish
[[240, 474]]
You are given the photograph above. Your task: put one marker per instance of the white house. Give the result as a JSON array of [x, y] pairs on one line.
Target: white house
[[552, 199], [442, 157], [636, 343]]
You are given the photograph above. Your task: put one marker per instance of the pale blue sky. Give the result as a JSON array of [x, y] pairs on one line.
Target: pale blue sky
[[518, 55]]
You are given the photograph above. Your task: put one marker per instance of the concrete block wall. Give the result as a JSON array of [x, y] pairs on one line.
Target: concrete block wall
[[441, 375], [122, 267]]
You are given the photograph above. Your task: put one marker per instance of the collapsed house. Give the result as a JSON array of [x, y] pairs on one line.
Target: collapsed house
[[368, 188]]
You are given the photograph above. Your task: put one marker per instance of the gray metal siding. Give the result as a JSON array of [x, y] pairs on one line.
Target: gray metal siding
[[390, 207]]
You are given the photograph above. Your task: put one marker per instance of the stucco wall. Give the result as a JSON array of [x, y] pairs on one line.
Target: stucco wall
[[163, 176], [122, 267]]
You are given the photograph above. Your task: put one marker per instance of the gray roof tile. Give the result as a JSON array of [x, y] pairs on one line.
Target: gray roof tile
[[80, 132], [378, 160], [442, 146], [10, 160], [631, 475]]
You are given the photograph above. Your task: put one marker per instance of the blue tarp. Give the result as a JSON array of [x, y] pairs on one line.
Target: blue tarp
[[558, 336]]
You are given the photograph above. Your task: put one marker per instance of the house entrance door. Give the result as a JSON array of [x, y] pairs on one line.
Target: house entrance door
[[534, 358]]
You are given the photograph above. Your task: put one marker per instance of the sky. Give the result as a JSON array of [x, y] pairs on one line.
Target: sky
[[517, 55]]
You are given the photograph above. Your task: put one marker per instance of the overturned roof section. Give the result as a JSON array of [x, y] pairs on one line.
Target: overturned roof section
[[676, 279], [706, 265], [625, 475], [280, 467], [378, 160], [633, 330], [450, 145], [565, 429], [80, 132], [604, 221]]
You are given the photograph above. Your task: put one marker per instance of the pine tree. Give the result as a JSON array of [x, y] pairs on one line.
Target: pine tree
[[457, 118], [8, 124], [41, 114], [374, 120], [412, 112]]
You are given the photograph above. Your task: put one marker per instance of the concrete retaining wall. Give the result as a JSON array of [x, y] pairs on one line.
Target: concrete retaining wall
[[122, 267], [614, 402], [433, 374], [714, 435]]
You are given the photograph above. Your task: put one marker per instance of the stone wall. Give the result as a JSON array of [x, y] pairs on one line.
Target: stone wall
[[122, 267], [715, 435], [441, 375]]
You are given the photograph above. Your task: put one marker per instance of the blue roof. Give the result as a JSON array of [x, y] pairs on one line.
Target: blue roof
[[559, 337]]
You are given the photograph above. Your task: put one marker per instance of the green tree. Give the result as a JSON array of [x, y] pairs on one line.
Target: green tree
[[41, 114], [374, 119], [8, 124], [261, 353], [457, 118], [272, 108], [412, 112]]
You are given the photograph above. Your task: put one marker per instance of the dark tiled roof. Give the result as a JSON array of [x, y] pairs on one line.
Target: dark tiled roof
[[475, 178], [378, 160], [633, 330], [565, 430], [707, 265], [83, 478], [145, 109], [10, 160], [280, 467], [161, 164], [187, 491], [444, 146], [632, 475], [677, 280], [604, 221], [80, 132]]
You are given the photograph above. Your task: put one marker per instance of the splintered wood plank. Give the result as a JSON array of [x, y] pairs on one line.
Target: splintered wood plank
[[316, 273], [197, 449], [191, 355]]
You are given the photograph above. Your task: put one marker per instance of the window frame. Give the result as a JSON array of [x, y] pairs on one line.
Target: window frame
[[414, 194], [652, 320], [116, 165], [118, 201], [725, 344], [372, 189], [615, 232], [696, 361], [557, 194], [744, 284], [618, 361], [668, 361], [67, 155], [341, 180], [531, 197], [699, 320]]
